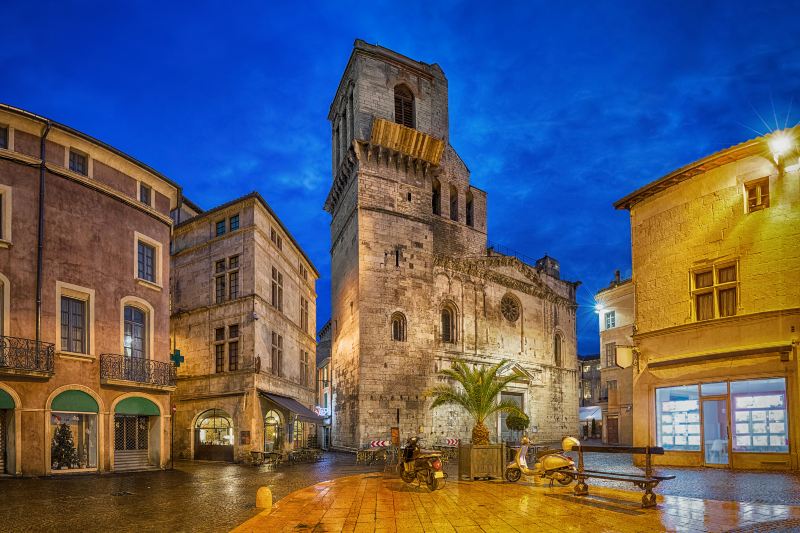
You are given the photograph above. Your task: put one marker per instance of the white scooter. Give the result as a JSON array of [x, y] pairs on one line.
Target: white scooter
[[550, 464]]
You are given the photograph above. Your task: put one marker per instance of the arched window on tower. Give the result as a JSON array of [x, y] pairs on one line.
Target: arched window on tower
[[470, 210], [448, 324], [557, 350], [398, 327], [404, 106], [436, 197], [453, 203]]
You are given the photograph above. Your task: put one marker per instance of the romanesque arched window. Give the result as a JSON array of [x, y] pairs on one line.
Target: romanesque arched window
[[557, 349], [436, 197], [449, 319], [398, 327], [404, 106], [470, 210], [453, 203]]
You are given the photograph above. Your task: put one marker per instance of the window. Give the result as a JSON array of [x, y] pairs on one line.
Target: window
[[759, 416], [144, 193], [146, 262], [135, 341], [557, 350], [303, 314], [5, 213], [220, 227], [219, 357], [304, 272], [612, 385], [470, 210], [219, 266], [214, 428], [233, 331], [611, 319], [78, 162], [678, 418], [233, 277], [277, 289], [73, 440], [276, 239], [448, 325], [757, 194], [277, 354], [611, 354], [398, 327], [404, 106], [715, 292], [74, 325], [436, 197], [233, 355], [453, 203], [305, 372], [219, 334], [555, 314], [234, 222], [219, 288], [4, 137]]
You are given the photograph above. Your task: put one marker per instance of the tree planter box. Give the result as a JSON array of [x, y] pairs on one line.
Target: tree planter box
[[481, 461]]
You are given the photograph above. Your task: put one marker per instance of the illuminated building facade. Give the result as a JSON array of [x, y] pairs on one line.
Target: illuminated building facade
[[716, 269], [414, 284]]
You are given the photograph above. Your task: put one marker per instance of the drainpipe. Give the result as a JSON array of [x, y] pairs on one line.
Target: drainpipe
[[40, 236]]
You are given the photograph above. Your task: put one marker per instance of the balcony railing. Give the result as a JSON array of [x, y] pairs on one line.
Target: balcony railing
[[136, 369], [24, 355]]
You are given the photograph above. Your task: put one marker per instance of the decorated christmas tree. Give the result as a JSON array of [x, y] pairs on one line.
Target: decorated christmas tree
[[63, 453]]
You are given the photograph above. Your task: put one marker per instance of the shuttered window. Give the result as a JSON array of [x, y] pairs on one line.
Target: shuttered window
[[404, 106]]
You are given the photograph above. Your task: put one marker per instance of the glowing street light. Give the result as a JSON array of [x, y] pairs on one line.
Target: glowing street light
[[780, 143], [598, 308]]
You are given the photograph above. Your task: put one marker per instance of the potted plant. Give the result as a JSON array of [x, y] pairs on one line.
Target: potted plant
[[476, 389], [517, 422]]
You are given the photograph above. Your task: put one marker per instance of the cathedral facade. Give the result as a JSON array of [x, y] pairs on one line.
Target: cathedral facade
[[414, 285]]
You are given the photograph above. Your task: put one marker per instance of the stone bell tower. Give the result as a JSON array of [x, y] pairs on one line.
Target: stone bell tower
[[392, 212]]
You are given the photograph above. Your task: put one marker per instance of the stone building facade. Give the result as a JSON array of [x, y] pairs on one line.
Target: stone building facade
[[244, 318], [414, 285], [715, 271], [324, 386], [84, 303], [616, 315]]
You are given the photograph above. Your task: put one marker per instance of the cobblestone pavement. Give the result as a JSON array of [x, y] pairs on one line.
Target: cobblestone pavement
[[382, 503], [196, 496], [205, 496]]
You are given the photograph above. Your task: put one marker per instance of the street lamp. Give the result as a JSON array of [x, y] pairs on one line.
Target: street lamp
[[780, 143]]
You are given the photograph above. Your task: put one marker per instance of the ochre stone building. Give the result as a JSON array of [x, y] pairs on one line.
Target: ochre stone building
[[616, 314], [716, 270], [85, 375], [244, 318], [414, 285]]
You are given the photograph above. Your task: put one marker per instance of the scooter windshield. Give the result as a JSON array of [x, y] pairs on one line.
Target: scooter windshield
[[523, 454]]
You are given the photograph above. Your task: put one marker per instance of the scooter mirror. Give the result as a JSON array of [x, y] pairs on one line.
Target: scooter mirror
[[568, 443]]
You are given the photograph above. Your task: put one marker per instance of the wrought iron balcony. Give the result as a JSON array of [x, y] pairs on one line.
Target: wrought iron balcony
[[25, 356], [114, 367]]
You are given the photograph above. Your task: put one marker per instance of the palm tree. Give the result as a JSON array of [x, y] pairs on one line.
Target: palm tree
[[480, 387]]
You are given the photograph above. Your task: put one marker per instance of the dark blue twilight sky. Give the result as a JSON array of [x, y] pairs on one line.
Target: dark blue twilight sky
[[557, 111]]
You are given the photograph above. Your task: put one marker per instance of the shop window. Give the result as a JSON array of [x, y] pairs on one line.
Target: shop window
[[273, 434], [214, 428], [73, 443], [759, 416], [678, 418], [298, 433]]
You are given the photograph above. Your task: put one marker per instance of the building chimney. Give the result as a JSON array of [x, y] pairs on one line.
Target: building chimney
[[616, 276]]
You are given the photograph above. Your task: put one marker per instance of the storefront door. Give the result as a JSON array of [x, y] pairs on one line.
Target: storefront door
[[716, 431], [612, 428]]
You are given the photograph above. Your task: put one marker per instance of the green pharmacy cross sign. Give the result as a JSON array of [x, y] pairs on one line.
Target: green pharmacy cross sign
[[177, 358]]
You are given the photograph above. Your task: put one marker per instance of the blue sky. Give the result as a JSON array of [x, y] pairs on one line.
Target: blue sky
[[557, 111]]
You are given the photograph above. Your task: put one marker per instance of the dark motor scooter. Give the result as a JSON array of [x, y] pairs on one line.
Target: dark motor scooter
[[424, 465]]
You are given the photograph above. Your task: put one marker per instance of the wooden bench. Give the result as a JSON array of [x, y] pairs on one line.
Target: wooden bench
[[646, 482]]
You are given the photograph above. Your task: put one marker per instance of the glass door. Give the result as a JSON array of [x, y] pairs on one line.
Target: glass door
[[716, 431]]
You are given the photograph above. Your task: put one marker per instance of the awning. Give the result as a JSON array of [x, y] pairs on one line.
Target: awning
[[74, 401], [6, 401], [593, 412], [293, 406], [136, 405]]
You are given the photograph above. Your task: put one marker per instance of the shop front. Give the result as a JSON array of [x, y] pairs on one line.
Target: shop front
[[214, 436], [136, 434], [288, 424], [736, 423], [73, 432]]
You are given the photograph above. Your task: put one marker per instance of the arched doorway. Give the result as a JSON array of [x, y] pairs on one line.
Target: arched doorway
[[273, 431], [136, 434], [213, 436], [7, 433]]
